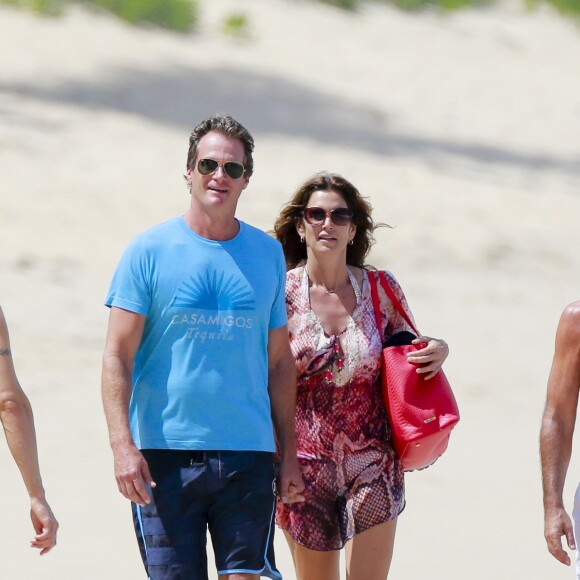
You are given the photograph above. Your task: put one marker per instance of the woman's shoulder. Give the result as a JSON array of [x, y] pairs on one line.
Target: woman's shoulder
[[296, 302], [358, 273], [293, 282], [391, 280], [386, 273], [295, 274]]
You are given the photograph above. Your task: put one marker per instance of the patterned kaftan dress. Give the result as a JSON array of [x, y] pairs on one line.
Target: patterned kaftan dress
[[352, 476]]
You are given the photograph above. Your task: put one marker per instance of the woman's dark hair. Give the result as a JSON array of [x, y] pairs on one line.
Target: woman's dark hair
[[293, 211]]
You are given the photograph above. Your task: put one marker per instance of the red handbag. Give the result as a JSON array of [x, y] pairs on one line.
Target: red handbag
[[421, 412]]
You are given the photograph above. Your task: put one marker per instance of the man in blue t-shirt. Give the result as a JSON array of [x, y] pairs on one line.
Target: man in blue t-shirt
[[198, 374]]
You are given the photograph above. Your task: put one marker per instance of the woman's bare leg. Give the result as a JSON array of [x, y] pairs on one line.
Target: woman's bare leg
[[313, 564], [369, 554]]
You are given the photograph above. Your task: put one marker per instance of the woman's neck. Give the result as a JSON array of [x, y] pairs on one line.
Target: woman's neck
[[331, 275]]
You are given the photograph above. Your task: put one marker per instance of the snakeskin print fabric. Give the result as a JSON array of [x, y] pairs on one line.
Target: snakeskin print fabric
[[352, 476]]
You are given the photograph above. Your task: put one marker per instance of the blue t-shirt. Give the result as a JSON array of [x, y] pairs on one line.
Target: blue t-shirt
[[201, 370]]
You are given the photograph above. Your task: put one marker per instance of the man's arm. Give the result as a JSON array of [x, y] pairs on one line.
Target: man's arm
[[123, 338], [282, 390], [18, 423], [557, 430]]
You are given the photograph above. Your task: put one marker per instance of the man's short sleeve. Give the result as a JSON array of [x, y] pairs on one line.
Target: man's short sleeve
[[279, 316], [130, 286]]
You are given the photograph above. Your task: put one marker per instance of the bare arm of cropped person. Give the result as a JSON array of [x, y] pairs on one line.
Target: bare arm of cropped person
[[558, 422], [123, 338], [18, 423]]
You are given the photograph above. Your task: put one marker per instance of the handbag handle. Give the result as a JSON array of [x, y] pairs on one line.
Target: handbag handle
[[392, 297]]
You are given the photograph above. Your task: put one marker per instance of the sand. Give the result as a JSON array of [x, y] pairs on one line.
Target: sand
[[461, 129]]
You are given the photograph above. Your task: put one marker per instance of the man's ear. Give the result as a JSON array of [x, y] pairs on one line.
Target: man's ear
[[187, 177]]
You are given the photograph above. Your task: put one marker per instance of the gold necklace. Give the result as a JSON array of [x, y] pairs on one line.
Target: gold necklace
[[351, 280], [328, 291]]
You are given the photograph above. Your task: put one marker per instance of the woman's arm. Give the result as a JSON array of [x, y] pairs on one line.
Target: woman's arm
[[428, 359]]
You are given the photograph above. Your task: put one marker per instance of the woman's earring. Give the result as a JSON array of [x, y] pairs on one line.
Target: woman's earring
[[301, 240], [351, 242]]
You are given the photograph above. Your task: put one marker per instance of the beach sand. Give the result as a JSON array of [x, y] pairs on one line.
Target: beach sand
[[462, 130]]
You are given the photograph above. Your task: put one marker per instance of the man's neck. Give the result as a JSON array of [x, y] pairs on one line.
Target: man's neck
[[216, 227]]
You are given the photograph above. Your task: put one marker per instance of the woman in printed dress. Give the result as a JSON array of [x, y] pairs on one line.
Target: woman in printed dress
[[354, 482]]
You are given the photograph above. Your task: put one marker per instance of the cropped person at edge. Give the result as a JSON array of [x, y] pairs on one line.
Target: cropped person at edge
[[18, 423]]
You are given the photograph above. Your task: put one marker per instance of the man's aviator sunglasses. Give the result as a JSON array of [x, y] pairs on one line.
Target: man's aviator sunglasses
[[232, 168], [340, 216]]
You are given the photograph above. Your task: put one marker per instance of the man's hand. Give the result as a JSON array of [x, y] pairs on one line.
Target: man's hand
[[132, 474], [291, 485], [557, 523]]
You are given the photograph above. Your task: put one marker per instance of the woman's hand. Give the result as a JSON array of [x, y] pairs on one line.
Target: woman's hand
[[430, 358]]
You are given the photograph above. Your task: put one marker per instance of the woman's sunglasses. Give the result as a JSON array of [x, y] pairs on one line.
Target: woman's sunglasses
[[340, 216], [232, 169]]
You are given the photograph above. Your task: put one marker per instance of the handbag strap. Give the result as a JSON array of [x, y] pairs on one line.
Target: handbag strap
[[392, 297]]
